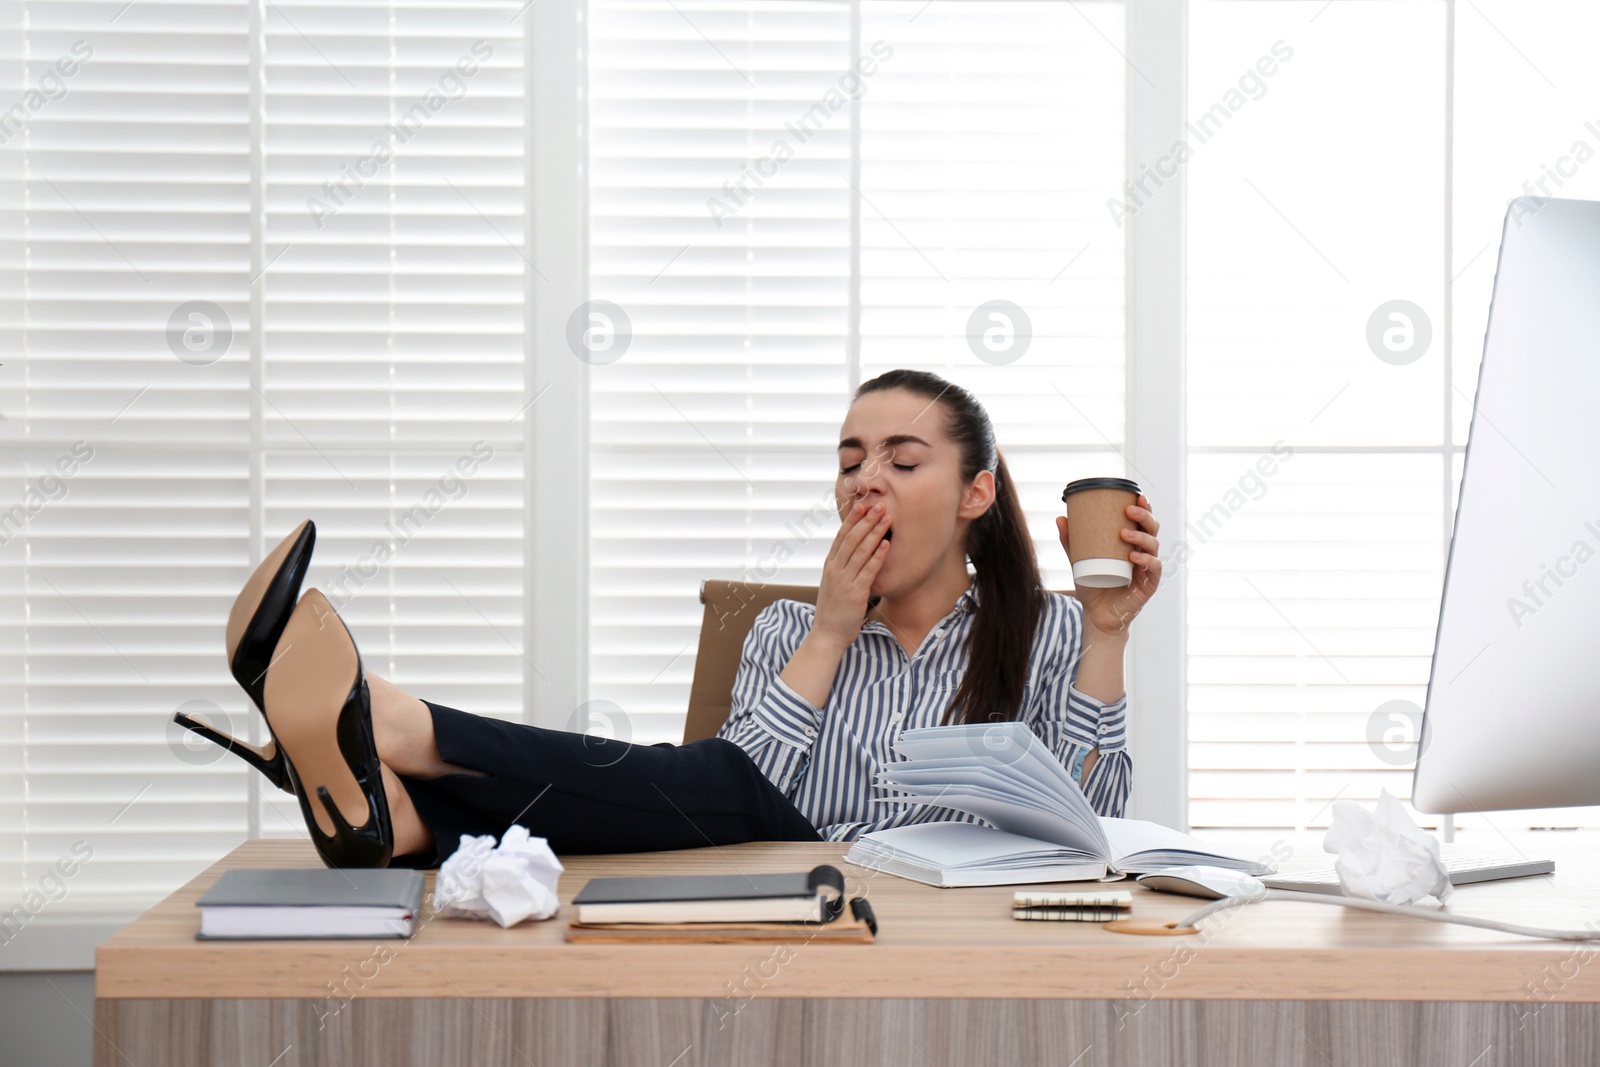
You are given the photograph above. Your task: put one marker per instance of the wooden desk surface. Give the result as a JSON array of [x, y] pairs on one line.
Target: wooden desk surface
[[956, 943]]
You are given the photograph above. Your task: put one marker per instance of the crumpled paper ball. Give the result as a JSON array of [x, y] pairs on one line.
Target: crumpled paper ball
[[508, 883], [1383, 855]]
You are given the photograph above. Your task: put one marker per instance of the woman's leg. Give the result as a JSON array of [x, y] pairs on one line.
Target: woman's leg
[[467, 774], [403, 730]]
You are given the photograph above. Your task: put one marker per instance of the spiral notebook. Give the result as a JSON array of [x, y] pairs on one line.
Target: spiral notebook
[[1104, 906]]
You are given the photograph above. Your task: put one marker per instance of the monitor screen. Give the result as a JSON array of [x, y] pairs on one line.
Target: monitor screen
[[1513, 707]]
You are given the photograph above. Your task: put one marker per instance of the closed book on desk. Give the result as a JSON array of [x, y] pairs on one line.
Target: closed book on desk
[[304, 902], [846, 931], [711, 898], [1041, 826]]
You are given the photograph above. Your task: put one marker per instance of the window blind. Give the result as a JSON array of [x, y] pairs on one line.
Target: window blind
[[1322, 476], [264, 262], [710, 433], [1314, 577], [392, 406], [130, 173], [788, 199]]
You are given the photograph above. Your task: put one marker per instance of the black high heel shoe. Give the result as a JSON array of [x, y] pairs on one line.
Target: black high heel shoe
[[255, 623], [320, 711]]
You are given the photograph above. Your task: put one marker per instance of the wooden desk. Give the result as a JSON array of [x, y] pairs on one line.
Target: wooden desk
[[953, 979]]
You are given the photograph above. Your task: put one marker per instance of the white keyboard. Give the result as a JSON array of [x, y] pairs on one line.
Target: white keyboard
[[1462, 872]]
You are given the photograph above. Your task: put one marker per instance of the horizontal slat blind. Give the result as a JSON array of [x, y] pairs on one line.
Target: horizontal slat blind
[[1318, 590], [394, 332], [1323, 479], [1313, 569], [358, 168], [393, 224], [710, 434], [13, 473], [132, 170]]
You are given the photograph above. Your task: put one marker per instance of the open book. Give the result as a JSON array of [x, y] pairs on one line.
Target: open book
[[1042, 827]]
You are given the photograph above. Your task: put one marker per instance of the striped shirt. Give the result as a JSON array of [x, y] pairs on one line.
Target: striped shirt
[[824, 759]]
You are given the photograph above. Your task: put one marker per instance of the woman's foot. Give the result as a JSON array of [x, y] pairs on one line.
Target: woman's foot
[[317, 704]]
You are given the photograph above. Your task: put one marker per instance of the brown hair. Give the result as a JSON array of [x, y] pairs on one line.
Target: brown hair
[[1010, 594]]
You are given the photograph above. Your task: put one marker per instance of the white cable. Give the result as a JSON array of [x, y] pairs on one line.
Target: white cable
[[1398, 909]]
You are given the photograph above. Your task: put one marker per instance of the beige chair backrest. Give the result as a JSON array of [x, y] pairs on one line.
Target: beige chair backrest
[[730, 610]]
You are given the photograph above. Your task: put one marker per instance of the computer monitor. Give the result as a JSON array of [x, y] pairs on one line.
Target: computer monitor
[[1513, 707]]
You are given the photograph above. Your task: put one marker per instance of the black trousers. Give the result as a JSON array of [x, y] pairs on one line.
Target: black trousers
[[587, 794]]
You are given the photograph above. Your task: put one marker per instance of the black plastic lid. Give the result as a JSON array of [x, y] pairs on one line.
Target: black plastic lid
[[1099, 483]]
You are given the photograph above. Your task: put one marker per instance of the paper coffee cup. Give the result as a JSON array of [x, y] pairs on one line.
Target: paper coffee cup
[[1096, 517]]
